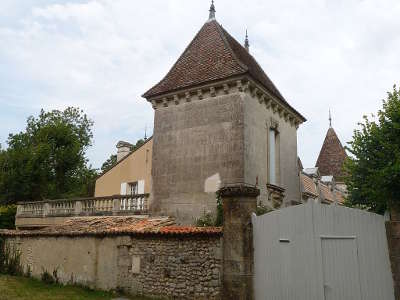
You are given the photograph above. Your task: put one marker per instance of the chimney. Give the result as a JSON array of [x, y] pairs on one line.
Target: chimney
[[123, 149]]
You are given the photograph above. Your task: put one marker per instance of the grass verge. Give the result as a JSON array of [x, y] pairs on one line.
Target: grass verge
[[22, 288]]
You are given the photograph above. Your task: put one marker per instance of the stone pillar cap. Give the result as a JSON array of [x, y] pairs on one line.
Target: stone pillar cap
[[238, 189]]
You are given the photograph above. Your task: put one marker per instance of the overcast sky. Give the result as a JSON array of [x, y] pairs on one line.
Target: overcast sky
[[102, 55]]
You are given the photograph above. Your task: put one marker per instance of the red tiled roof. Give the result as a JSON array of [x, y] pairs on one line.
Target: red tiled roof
[[212, 55], [130, 225], [189, 230], [326, 192], [332, 156], [308, 185], [340, 198]]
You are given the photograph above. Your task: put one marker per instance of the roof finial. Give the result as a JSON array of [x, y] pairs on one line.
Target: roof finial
[[246, 42], [145, 132], [212, 11], [330, 119]]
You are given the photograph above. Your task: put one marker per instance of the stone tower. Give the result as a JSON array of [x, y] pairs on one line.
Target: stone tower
[[219, 120]]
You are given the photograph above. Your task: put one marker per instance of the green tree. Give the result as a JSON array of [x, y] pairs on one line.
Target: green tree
[[112, 160], [109, 163], [139, 143], [48, 159], [373, 178]]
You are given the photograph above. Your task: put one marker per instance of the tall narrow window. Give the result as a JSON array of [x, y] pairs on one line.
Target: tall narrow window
[[133, 188], [272, 156]]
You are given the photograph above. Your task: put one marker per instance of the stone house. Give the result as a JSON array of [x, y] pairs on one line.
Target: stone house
[[218, 119]]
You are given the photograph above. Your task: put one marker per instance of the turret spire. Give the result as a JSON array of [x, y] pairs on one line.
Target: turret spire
[[330, 119], [212, 11], [246, 42]]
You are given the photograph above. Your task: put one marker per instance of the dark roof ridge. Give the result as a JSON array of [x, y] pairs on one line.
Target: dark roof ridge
[[149, 94], [175, 63], [222, 32], [130, 153], [180, 56]]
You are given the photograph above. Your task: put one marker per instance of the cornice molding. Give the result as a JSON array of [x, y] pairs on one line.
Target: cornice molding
[[243, 84]]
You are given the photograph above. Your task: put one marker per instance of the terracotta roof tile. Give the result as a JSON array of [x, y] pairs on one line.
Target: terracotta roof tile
[[326, 192], [308, 185], [213, 55], [340, 198], [131, 225], [332, 156], [207, 58]]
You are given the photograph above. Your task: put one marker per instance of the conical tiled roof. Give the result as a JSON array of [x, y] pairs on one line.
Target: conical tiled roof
[[332, 156], [212, 55]]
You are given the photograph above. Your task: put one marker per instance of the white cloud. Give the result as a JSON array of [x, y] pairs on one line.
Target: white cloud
[[102, 55]]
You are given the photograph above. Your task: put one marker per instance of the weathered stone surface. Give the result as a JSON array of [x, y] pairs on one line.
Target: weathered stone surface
[[239, 203], [173, 267], [224, 137], [393, 236], [193, 141]]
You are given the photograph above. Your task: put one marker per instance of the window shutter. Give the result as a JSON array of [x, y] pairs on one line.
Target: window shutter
[[141, 187], [124, 186]]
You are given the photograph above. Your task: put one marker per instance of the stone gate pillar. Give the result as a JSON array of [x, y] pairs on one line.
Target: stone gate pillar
[[239, 202], [393, 236]]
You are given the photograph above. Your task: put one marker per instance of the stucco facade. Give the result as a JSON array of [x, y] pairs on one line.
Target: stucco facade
[[222, 138], [258, 119], [134, 167]]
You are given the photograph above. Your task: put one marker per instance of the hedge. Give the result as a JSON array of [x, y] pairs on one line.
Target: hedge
[[7, 217]]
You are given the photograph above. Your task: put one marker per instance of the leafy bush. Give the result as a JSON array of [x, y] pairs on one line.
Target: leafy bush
[[46, 277], [262, 209], [219, 220], [206, 220], [10, 259], [7, 216]]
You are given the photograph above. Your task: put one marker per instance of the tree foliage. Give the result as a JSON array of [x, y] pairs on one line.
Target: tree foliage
[[139, 143], [373, 170], [7, 216], [112, 160], [109, 163], [48, 160]]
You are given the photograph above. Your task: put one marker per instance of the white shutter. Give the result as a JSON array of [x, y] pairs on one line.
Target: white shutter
[[124, 186], [140, 187]]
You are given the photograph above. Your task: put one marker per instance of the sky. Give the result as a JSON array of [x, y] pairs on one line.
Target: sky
[[102, 55]]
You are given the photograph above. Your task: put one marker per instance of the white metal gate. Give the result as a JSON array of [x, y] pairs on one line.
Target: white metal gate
[[316, 251]]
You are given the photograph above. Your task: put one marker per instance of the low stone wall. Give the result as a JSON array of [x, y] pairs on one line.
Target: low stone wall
[[181, 266]]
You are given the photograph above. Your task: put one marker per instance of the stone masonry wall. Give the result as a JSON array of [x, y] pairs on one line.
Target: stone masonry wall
[[172, 267], [182, 267]]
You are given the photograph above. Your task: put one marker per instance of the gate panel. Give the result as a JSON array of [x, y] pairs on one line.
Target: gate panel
[[340, 269], [293, 254]]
